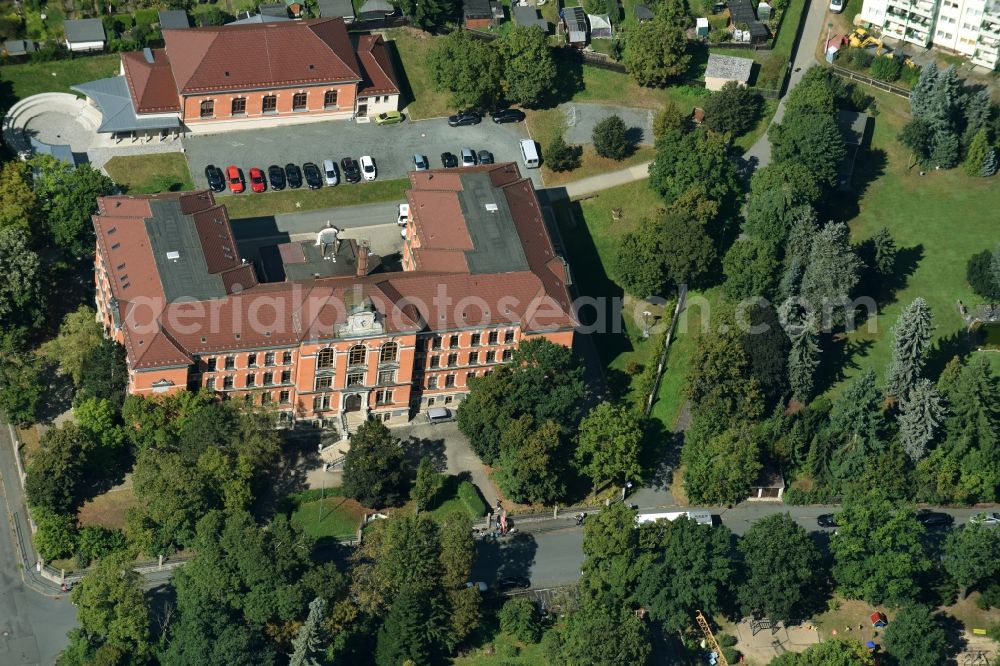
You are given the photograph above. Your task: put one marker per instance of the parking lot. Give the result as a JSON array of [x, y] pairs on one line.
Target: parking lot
[[391, 146]]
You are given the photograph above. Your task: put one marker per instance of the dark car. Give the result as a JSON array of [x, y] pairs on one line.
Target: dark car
[[934, 518], [485, 157], [276, 175], [352, 173], [314, 179], [507, 116], [513, 583], [294, 175], [448, 160], [464, 118], [216, 179], [826, 520]]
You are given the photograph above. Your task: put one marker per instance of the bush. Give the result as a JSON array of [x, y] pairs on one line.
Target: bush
[[519, 618], [989, 598], [56, 534], [610, 138], [861, 58], [560, 156], [733, 109], [470, 497], [886, 69], [95, 542], [979, 272]]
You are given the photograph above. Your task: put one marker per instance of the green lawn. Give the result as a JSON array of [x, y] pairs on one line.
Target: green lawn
[[414, 48], [146, 174], [337, 517], [31, 78], [504, 651], [290, 201]]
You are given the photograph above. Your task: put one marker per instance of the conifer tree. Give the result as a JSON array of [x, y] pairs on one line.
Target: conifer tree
[[921, 415], [803, 355], [307, 644], [831, 273], [912, 334]]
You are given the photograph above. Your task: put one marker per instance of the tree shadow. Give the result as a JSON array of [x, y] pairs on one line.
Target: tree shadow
[[507, 556], [415, 448], [300, 455], [660, 456], [406, 95], [957, 344], [883, 288], [839, 353], [845, 206], [568, 81], [58, 399], [954, 634]]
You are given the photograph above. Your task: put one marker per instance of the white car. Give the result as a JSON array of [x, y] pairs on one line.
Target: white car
[[987, 518], [367, 167], [837, 6], [404, 214], [330, 172]]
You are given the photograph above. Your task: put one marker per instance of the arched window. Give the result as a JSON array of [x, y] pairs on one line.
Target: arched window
[[357, 355], [324, 360], [388, 353]]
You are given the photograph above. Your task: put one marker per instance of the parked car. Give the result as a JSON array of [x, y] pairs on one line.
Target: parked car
[[368, 171], [276, 175], [404, 214], [507, 116], [837, 6], [480, 585], [235, 177], [465, 118], [314, 179], [485, 157], [448, 160], [257, 181], [989, 518], [330, 172], [440, 415], [468, 157], [420, 162], [389, 118], [294, 175], [934, 518], [216, 181], [826, 520], [513, 583], [352, 174]]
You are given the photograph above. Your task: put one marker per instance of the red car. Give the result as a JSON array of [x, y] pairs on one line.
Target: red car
[[235, 178], [257, 182]]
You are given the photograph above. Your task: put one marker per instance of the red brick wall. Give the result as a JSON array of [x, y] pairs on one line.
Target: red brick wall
[[191, 104]]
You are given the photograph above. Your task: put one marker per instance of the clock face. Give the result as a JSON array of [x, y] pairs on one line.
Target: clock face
[[366, 321]]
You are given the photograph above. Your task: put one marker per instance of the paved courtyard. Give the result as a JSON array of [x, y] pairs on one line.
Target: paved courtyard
[[392, 146], [581, 118]]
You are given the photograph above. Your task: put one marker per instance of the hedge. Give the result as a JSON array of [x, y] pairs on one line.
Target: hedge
[[469, 495]]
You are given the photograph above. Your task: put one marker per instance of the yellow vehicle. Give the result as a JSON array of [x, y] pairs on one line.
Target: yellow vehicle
[[862, 39]]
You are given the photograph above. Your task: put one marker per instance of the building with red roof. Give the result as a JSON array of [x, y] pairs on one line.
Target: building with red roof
[[247, 75], [336, 336]]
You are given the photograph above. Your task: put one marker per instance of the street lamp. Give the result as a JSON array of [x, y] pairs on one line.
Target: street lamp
[[646, 314]]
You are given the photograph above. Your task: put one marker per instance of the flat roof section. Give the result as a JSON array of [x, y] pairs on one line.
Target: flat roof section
[[178, 253], [496, 246]]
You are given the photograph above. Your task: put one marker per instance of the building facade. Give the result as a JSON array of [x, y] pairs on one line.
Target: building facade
[[968, 27], [338, 337]]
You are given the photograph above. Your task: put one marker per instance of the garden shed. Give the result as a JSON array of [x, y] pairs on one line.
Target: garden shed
[[574, 21], [643, 13], [375, 9], [85, 34], [600, 26], [173, 19], [528, 15], [334, 8], [742, 12], [723, 69], [19, 47]]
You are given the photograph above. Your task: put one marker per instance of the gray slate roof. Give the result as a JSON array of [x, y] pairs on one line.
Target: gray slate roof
[[575, 19], [257, 18], [174, 19], [117, 112], [377, 7], [730, 68], [334, 8], [525, 15], [84, 30], [477, 9], [279, 9], [17, 47]]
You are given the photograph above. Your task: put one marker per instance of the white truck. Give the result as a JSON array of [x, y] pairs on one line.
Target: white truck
[[699, 516]]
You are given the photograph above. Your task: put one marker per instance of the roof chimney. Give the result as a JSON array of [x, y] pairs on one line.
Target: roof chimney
[[362, 258]]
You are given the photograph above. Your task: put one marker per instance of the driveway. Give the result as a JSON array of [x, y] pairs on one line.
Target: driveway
[[391, 146], [581, 118]]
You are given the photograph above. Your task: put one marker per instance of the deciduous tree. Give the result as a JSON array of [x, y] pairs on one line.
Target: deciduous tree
[[18, 202], [111, 607], [972, 556], [811, 139], [841, 652], [68, 196], [782, 567], [639, 264], [694, 159], [468, 68], [55, 472], [21, 298], [431, 15], [686, 248], [734, 109], [519, 618], [79, 335], [721, 470], [424, 487], [749, 268], [656, 53], [610, 138], [529, 69], [530, 464], [609, 444], [600, 634], [374, 468], [916, 638]]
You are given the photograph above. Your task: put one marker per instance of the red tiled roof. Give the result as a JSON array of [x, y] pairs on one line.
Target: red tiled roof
[[264, 55], [378, 74], [151, 85]]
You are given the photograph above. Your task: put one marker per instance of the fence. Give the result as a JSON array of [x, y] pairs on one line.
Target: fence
[[867, 80], [681, 297]]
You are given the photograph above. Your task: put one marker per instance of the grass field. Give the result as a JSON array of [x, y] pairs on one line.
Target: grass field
[[147, 174], [108, 510], [290, 201], [26, 79], [337, 517], [503, 651], [414, 47]]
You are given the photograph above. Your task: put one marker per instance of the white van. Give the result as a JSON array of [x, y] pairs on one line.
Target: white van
[[530, 153]]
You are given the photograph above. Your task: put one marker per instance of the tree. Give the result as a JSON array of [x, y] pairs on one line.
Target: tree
[[103, 374], [668, 119], [782, 567], [767, 348], [698, 159], [425, 486], [687, 248], [111, 607], [815, 93], [55, 473], [771, 215], [79, 335], [307, 644], [560, 156], [466, 67], [18, 202], [598, 634], [610, 138], [813, 140], [374, 468], [721, 470], [921, 415], [430, 15], [922, 91], [792, 179], [413, 631], [803, 354], [916, 638], [610, 544], [832, 272], [842, 652], [975, 156], [609, 444], [972, 556], [981, 276], [917, 135], [885, 68], [749, 268], [656, 53], [692, 569], [945, 149], [21, 386], [95, 542], [519, 618], [530, 465], [639, 264], [68, 195], [912, 334], [56, 535], [990, 163], [21, 298], [880, 553], [856, 421], [733, 109], [884, 246], [529, 69]]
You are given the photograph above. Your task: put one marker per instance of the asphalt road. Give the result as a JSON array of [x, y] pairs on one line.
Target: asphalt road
[[392, 147], [33, 627]]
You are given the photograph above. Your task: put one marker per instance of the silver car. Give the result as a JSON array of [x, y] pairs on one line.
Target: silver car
[[420, 162], [987, 518], [468, 157]]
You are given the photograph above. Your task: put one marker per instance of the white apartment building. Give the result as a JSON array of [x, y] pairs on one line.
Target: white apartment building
[[968, 27]]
